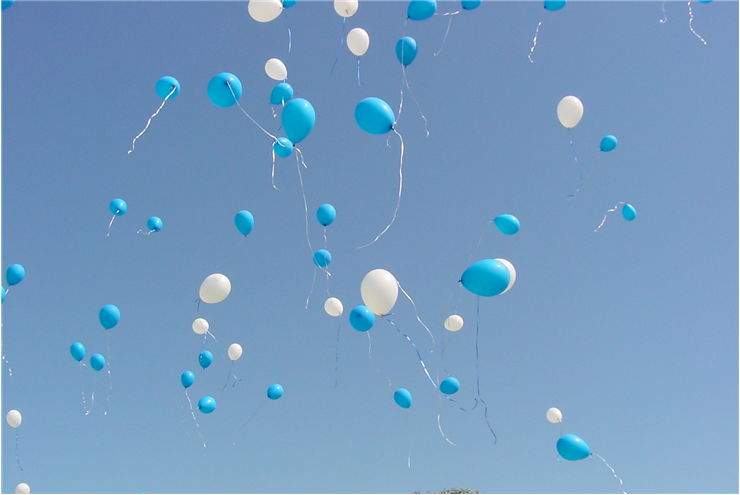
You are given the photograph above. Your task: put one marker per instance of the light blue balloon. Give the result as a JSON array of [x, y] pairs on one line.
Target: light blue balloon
[[77, 350], [4, 292], [572, 448], [298, 119], [375, 116], [470, 4], [154, 223], [419, 10], [207, 404], [118, 207], [97, 362], [165, 85], [281, 93], [275, 391], [15, 274], [449, 385], [109, 316], [205, 358], [406, 50], [361, 318], [486, 278], [219, 92], [507, 224], [628, 212], [555, 4], [244, 221], [187, 378], [7, 4], [288, 3], [326, 214], [608, 143], [403, 398], [322, 258], [283, 147]]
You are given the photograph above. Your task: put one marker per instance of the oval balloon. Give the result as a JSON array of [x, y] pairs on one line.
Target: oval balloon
[[215, 288], [187, 378], [554, 4], [223, 88], [15, 274], [326, 214], [275, 69], [333, 307], [22, 487], [453, 323], [200, 326], [298, 119], [449, 385], [283, 147], [97, 362], [244, 221], [154, 223], [470, 4], [572, 447], [403, 398], [346, 8], [358, 41], [118, 207], [570, 111], [379, 291], [507, 224], [322, 258], [109, 316], [77, 350], [406, 50], [361, 318], [486, 278], [281, 93], [205, 358], [554, 415], [608, 143], [166, 85], [418, 10], [375, 116], [234, 352], [14, 418], [628, 212], [264, 10], [207, 404], [512, 273], [275, 391]]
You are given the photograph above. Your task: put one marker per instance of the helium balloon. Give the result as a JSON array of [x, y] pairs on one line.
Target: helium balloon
[[418, 10], [321, 258], [486, 278], [361, 318], [554, 4], [15, 274], [97, 362], [470, 4], [333, 307], [200, 326], [453, 323], [403, 398], [379, 291], [244, 221], [77, 350], [187, 378], [207, 404], [298, 119], [507, 224], [289, 3], [22, 487], [608, 143], [264, 10], [275, 391], [281, 93], [154, 224], [375, 116], [406, 50], [628, 212], [222, 85], [326, 214], [346, 8], [358, 41], [7, 4], [572, 448], [554, 415], [14, 418], [118, 207], [215, 288], [283, 147], [166, 85], [109, 316], [205, 358], [449, 385], [275, 69], [570, 111], [512, 273], [234, 352]]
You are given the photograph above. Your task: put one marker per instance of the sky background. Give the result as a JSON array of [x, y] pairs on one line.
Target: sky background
[[631, 331]]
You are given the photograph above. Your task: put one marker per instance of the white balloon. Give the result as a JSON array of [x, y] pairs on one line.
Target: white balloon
[[346, 8], [264, 10], [512, 273], [22, 488], [453, 323], [379, 291], [14, 418], [570, 111], [234, 352], [215, 288], [200, 326], [554, 415], [275, 69], [333, 307], [358, 41]]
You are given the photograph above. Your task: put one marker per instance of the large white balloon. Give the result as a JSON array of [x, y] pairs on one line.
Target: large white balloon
[[264, 10], [14, 418], [358, 41], [234, 352], [453, 323], [512, 273], [22, 488], [379, 291], [333, 307], [215, 288], [554, 415], [275, 69], [346, 8], [570, 111]]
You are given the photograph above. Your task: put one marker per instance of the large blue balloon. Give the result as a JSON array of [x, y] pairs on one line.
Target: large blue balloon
[[244, 221], [572, 448], [486, 278], [281, 93], [283, 147], [406, 50], [419, 10], [109, 316], [118, 207], [361, 318], [205, 358], [207, 404], [15, 274], [628, 212], [154, 223], [165, 85], [298, 119], [97, 362], [403, 398], [608, 143], [470, 4], [554, 4], [326, 214], [507, 224], [187, 378], [219, 92], [449, 385], [375, 116], [77, 350], [322, 258], [275, 391]]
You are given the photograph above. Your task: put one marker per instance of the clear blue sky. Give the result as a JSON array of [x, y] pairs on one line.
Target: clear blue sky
[[632, 331]]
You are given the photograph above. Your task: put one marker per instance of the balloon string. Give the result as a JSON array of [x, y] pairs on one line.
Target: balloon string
[[110, 380], [534, 42], [341, 42], [578, 165], [290, 39], [305, 203], [17, 457], [325, 241], [10, 370], [418, 354], [621, 483], [236, 100], [418, 318], [192, 413], [107, 234], [664, 19], [85, 410], [441, 432], [145, 232], [313, 283], [359, 84], [403, 84], [273, 166], [610, 210], [336, 356], [467, 263], [133, 143], [691, 24], [379, 369], [477, 370], [418, 107], [254, 414], [447, 31]]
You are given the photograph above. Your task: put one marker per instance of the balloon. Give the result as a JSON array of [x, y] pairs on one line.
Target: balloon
[[165, 85], [77, 350], [298, 119], [283, 147], [358, 41], [454, 323], [234, 351], [14, 418], [187, 378], [403, 398], [7, 4], [572, 448], [154, 223], [449, 385], [118, 207], [275, 391], [109, 316], [264, 10], [275, 69], [379, 291], [555, 4], [244, 221], [326, 214], [608, 143], [207, 404], [200, 326], [281, 93], [361, 318], [375, 116], [406, 50], [215, 288], [570, 111], [205, 358], [486, 278], [289, 3], [97, 362], [507, 224], [628, 212], [333, 307], [419, 10], [554, 415], [470, 4], [221, 86], [22, 487], [322, 258], [15, 274], [346, 8], [512, 273]]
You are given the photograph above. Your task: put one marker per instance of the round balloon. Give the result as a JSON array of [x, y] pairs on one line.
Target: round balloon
[[375, 116], [406, 50], [244, 221], [283, 147], [215, 288], [207, 404], [572, 447], [379, 291], [512, 273], [326, 214], [608, 143], [554, 4], [449, 385], [507, 224], [22, 487], [418, 10], [154, 223], [275, 391], [224, 87], [554, 415], [361, 318], [453, 323], [15, 274], [200, 326], [322, 258], [486, 278], [281, 93], [403, 398], [358, 41], [235, 351], [187, 378], [298, 119], [570, 111], [628, 212], [97, 362], [205, 358], [470, 4], [14, 418], [333, 307], [275, 69], [264, 10], [166, 85], [346, 8], [77, 350], [109, 316], [118, 207]]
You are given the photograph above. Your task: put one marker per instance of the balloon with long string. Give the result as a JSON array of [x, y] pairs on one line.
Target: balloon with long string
[[403, 399], [166, 88], [321, 260], [200, 326], [573, 448], [97, 363], [279, 96], [448, 386], [406, 50], [234, 352], [550, 5], [334, 308], [14, 420], [274, 392], [109, 316], [358, 42], [187, 378], [629, 213], [77, 350], [153, 224], [345, 9], [118, 207], [570, 113]]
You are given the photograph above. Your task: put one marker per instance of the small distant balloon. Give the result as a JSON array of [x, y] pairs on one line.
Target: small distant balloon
[[554, 4], [275, 69], [572, 447], [361, 318], [154, 224], [333, 307], [453, 323], [418, 10], [234, 352], [507, 224], [200, 326], [326, 214], [346, 8], [205, 358], [14, 418], [15, 274], [449, 385], [570, 111], [275, 391], [628, 212], [166, 85], [358, 41], [109, 316], [215, 288], [554, 415], [406, 50], [97, 362], [244, 221], [187, 378], [224, 87], [118, 207], [22, 487], [608, 143], [403, 398], [283, 147], [322, 258], [207, 404], [264, 10], [281, 93], [375, 116], [77, 350]]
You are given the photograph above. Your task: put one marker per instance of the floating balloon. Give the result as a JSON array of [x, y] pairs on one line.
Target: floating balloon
[[275, 391], [449, 385], [205, 358], [289, 3], [298, 119], [554, 415], [200, 326], [554, 4], [322, 258], [507, 224], [406, 50], [512, 273], [244, 221], [418, 10], [572, 448], [608, 143], [97, 362], [326, 214], [358, 41], [166, 85], [77, 350], [470, 4], [118, 207], [281, 93], [628, 212], [207, 404], [215, 288], [22, 487], [234, 351], [15, 274], [375, 116], [333, 307], [486, 278], [283, 147], [109, 316], [14, 418], [346, 8], [264, 10], [403, 398], [453, 323], [275, 69], [361, 318], [154, 224], [379, 291], [187, 378], [6, 4], [570, 111], [224, 87]]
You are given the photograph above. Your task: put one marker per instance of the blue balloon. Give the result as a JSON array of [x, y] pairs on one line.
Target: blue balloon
[[165, 85], [244, 221], [205, 358], [283, 147], [419, 10], [219, 92], [507, 224], [361, 318], [322, 258], [572, 448], [403, 398], [109, 316], [486, 278], [470, 4], [15, 274], [628, 212], [187, 378], [77, 350], [555, 4], [298, 119], [406, 50], [375, 116], [281, 93], [326, 214], [4, 292], [275, 391], [207, 404], [97, 362], [449, 385], [118, 207], [154, 223], [288, 3], [608, 143], [7, 4]]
